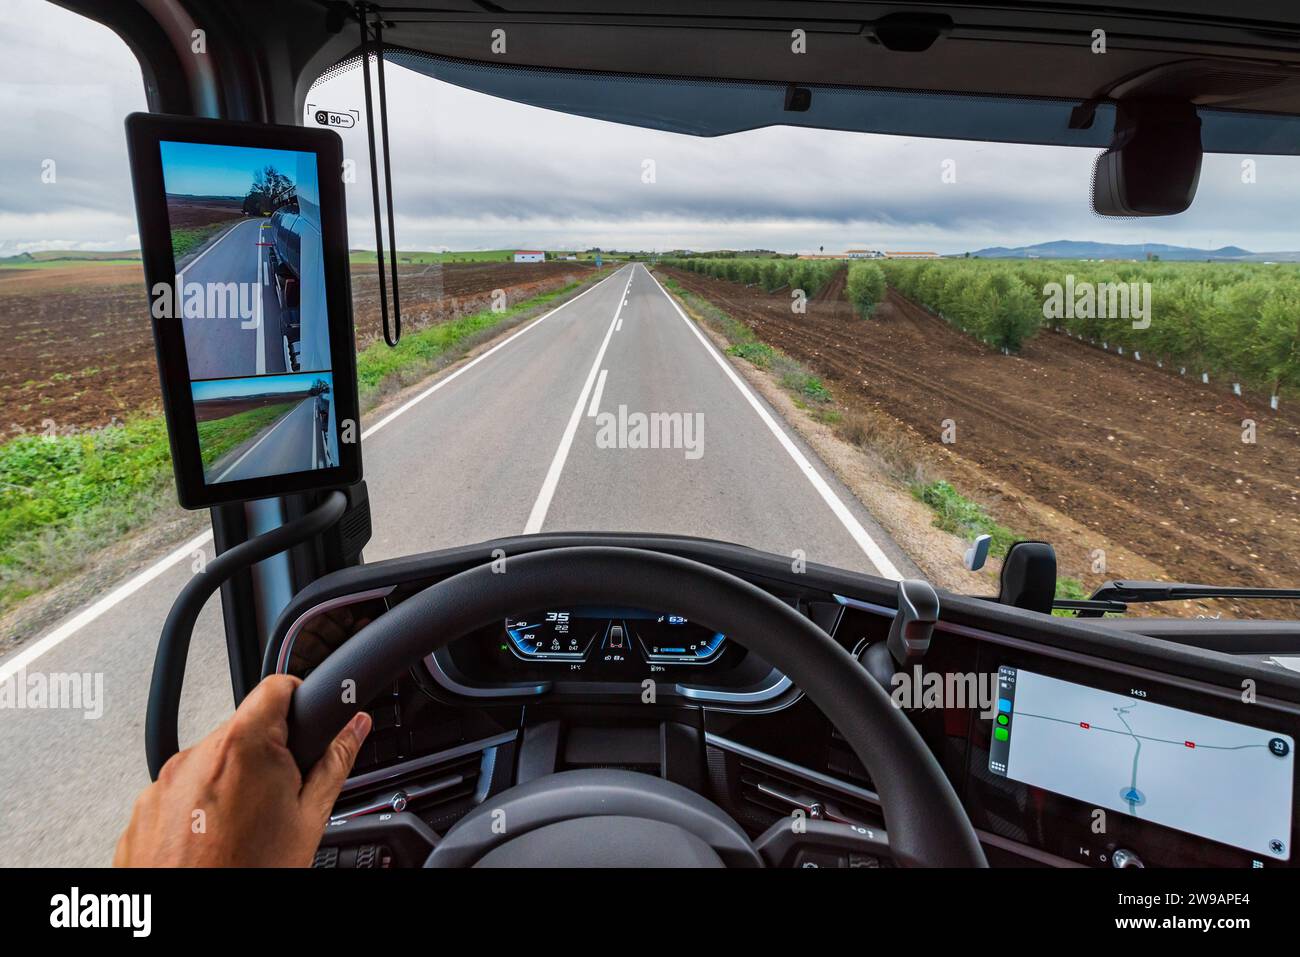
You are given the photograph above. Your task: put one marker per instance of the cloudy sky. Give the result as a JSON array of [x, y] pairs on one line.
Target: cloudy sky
[[474, 172]]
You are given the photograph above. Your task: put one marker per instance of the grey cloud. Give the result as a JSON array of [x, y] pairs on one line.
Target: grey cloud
[[471, 171], [66, 84]]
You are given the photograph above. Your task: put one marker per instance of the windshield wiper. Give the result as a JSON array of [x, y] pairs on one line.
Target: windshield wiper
[[1115, 596]]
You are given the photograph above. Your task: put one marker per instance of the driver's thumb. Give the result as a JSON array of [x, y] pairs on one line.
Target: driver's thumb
[[326, 779]]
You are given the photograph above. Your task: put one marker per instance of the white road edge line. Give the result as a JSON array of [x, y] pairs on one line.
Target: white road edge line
[[859, 534], [132, 585], [260, 347], [180, 276], [540, 507], [265, 435], [595, 396], [29, 654]]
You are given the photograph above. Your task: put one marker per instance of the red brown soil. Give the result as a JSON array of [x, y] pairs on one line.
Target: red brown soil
[[1143, 459], [214, 409], [183, 213], [76, 350]]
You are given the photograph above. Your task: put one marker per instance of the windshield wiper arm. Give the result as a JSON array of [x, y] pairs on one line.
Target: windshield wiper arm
[[1114, 595]]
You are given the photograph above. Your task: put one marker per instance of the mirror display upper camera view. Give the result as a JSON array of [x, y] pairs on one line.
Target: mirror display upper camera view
[[246, 239]]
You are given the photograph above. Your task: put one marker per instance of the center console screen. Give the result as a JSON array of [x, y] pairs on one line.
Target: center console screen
[[1216, 779]]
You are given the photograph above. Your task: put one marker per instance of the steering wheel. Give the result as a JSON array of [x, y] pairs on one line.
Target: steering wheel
[[621, 817]]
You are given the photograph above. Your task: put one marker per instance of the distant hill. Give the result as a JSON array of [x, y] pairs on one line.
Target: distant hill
[[1071, 249], [69, 256], [202, 198]]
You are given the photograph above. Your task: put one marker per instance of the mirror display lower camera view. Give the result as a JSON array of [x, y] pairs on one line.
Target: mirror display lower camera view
[[250, 279], [265, 425]]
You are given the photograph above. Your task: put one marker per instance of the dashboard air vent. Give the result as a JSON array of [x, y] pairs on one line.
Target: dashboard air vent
[[782, 792], [758, 792], [439, 793]]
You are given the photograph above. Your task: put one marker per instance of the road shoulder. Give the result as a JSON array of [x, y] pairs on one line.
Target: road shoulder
[[907, 523]]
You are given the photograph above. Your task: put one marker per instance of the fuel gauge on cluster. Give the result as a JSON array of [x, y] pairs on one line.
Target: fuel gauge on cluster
[[674, 640]]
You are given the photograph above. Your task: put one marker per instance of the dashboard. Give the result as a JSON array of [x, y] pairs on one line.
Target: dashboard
[[1069, 743]]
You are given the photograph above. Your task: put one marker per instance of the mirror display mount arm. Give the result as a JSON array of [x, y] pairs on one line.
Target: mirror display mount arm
[[363, 10], [161, 722]]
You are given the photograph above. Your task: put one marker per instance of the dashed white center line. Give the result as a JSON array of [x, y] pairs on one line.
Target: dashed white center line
[[447, 379], [600, 388], [540, 507]]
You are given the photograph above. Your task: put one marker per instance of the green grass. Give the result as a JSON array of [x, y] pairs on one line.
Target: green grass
[[63, 497], [1072, 589], [69, 257], [794, 377], [755, 353], [64, 263], [422, 352], [806, 385], [739, 335], [959, 515], [219, 436], [186, 239]]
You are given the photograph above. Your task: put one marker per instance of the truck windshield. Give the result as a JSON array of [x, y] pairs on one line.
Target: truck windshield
[[853, 348]]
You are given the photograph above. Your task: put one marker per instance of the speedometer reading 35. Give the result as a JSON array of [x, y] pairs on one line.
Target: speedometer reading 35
[[552, 636]]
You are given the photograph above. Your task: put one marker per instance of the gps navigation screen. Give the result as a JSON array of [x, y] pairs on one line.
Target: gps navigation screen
[[1223, 781], [250, 291]]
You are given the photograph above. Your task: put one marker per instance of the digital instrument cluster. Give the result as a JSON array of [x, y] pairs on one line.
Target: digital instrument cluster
[[611, 637], [605, 652]]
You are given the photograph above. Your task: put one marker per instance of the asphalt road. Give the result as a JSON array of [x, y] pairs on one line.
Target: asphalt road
[[291, 444], [516, 440], [220, 348]]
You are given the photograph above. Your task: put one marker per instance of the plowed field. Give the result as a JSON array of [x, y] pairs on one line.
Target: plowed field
[[1147, 460]]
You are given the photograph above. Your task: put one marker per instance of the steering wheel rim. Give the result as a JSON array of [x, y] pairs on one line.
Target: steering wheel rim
[[926, 823]]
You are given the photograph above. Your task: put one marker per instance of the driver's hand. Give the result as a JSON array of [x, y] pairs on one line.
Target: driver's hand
[[236, 799]]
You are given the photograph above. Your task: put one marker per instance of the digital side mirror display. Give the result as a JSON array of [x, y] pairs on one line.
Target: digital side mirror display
[[243, 234]]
